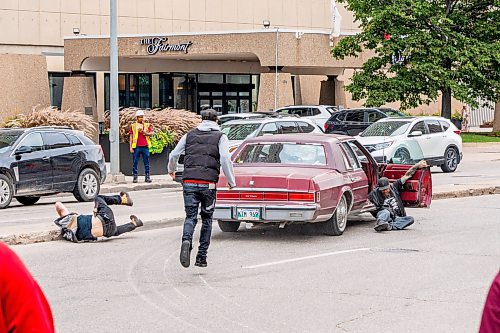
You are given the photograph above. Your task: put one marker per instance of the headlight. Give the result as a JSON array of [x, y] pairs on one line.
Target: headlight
[[380, 146]]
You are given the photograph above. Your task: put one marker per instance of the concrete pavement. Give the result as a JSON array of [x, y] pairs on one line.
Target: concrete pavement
[[432, 277], [478, 174]]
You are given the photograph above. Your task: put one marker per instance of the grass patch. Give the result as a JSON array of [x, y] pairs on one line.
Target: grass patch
[[480, 137]]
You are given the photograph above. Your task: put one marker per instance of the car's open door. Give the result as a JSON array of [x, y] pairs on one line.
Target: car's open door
[[417, 191]]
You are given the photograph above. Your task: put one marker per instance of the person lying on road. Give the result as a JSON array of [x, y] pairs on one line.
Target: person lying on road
[[391, 214], [77, 228]]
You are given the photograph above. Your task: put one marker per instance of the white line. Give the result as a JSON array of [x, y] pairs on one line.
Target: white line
[[306, 258]]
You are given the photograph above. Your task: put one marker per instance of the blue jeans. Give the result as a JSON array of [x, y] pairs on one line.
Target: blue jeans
[[397, 223], [194, 196], [138, 151]]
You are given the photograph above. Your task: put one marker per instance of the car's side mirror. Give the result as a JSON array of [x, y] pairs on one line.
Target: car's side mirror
[[415, 134], [23, 150]]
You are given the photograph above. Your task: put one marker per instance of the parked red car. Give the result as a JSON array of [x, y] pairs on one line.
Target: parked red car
[[311, 178]]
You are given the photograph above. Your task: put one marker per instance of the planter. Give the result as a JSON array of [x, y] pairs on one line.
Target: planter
[[158, 163], [457, 123]]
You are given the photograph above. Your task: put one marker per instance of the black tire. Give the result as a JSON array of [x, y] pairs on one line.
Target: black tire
[[337, 224], [6, 191], [28, 201], [228, 226], [451, 160], [87, 186], [404, 155]]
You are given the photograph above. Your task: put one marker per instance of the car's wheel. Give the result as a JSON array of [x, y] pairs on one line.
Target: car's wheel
[[403, 155], [6, 191], [87, 186], [228, 226], [336, 225], [451, 159], [28, 201]]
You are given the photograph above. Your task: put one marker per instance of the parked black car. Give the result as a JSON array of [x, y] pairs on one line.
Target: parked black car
[[354, 121], [47, 160]]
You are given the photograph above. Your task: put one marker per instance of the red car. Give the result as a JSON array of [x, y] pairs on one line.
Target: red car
[[311, 178]]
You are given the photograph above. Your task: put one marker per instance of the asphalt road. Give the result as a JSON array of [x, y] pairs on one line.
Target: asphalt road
[[431, 278]]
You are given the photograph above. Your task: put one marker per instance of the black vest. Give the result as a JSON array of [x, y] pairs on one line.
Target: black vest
[[202, 157]]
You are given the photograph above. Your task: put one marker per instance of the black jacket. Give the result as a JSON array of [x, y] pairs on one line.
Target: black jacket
[[377, 198], [202, 158]]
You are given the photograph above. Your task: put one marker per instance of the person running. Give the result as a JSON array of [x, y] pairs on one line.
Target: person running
[[206, 149], [391, 214], [23, 306], [78, 228]]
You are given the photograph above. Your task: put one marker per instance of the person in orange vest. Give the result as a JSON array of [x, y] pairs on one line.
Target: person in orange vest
[[140, 133]]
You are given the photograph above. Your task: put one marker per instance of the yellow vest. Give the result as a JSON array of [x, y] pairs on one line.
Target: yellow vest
[[135, 134]]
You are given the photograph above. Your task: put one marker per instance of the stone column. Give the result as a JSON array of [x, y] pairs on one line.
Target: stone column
[[79, 95], [340, 94], [267, 87]]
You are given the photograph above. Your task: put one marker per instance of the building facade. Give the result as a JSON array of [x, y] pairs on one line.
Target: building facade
[[54, 52]]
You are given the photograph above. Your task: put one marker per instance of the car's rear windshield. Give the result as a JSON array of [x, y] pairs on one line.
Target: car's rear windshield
[[283, 153], [331, 110], [386, 128], [239, 131], [7, 139]]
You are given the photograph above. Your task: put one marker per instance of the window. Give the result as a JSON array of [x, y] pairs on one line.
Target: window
[[434, 126], [269, 129], [351, 157], [239, 131], [338, 117], [33, 140], [315, 111], [355, 116], [56, 85], [374, 116], [55, 140], [361, 156], [305, 127], [288, 127], [420, 126], [284, 153], [134, 90], [74, 140], [445, 125]]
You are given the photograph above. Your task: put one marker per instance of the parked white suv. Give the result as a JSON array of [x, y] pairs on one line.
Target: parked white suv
[[318, 113], [438, 138]]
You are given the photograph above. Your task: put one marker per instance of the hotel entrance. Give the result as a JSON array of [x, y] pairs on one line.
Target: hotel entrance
[[227, 93]]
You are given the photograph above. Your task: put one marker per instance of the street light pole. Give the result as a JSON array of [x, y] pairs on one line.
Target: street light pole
[[276, 74], [114, 136]]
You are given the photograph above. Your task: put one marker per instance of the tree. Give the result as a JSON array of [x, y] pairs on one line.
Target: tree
[[423, 48]]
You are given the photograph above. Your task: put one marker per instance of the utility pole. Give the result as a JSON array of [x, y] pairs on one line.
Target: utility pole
[[276, 74], [114, 136]]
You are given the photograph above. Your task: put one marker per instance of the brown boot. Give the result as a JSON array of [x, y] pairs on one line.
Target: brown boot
[[126, 199], [136, 221]]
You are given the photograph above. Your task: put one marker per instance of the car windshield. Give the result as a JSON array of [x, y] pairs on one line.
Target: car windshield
[[393, 113], [283, 153], [386, 128], [239, 131], [7, 139]]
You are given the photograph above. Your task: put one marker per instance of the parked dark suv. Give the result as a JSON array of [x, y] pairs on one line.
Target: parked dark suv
[[48, 160], [354, 121]]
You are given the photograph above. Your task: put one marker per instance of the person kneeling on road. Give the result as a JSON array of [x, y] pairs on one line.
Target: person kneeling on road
[[391, 214], [77, 228]]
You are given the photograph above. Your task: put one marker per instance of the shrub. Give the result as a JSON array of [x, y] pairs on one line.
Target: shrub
[[161, 140]]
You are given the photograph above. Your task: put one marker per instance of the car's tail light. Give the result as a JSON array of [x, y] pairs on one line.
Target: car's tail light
[[327, 126], [228, 195], [458, 132], [302, 197], [276, 196]]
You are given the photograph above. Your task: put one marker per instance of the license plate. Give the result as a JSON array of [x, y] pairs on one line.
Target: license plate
[[247, 214]]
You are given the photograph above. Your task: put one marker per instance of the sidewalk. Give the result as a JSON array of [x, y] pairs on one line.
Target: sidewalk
[[159, 182]]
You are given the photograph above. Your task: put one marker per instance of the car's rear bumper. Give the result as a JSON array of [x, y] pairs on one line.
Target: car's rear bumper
[[272, 213]]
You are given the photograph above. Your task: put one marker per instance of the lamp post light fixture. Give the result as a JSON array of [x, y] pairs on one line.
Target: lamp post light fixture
[[76, 31]]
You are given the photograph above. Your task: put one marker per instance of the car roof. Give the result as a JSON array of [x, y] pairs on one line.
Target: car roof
[[309, 137], [267, 120], [412, 118]]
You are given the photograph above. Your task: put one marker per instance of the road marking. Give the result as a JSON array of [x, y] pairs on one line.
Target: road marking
[[306, 258]]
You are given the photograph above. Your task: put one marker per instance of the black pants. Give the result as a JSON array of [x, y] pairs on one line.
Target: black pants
[[105, 214]]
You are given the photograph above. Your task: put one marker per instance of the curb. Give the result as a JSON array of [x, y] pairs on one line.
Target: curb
[[53, 235]]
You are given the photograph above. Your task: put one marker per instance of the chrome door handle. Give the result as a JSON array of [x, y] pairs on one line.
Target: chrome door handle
[[46, 158], [355, 179]]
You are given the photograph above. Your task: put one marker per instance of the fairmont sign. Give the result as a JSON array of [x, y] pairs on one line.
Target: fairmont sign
[[160, 44]]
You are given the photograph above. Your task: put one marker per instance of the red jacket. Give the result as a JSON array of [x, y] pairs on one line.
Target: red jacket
[[491, 314], [23, 307]]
